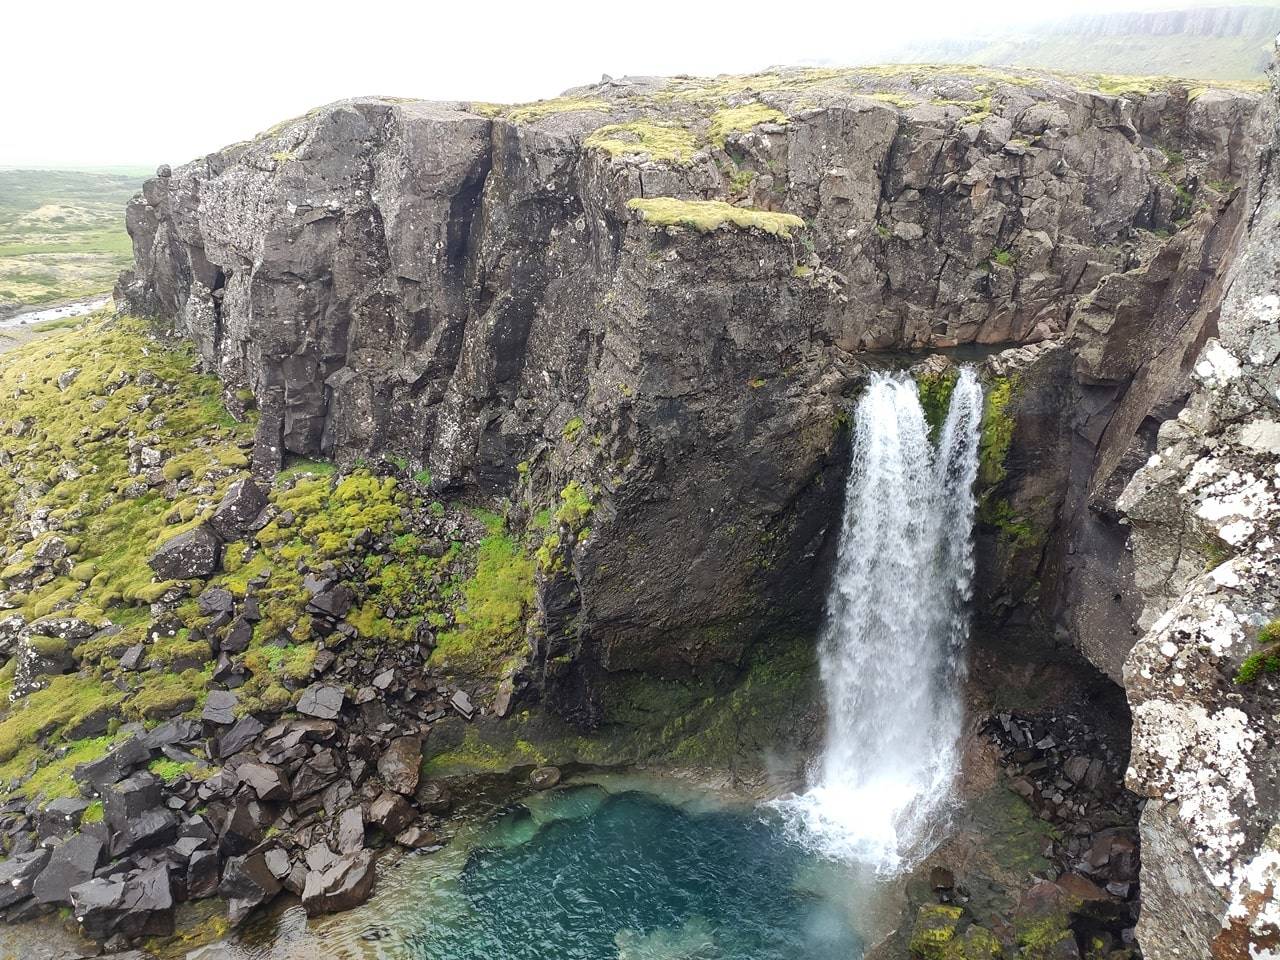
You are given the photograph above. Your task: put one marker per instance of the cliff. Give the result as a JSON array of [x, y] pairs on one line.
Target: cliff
[[637, 315], [520, 298]]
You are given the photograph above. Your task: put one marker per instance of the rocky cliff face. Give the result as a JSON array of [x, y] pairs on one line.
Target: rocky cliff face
[[554, 302], [1200, 680]]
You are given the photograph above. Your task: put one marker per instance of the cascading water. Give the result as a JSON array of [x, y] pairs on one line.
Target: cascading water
[[893, 645]]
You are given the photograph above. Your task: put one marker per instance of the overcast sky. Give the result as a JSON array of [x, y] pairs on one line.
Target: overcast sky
[[89, 84]]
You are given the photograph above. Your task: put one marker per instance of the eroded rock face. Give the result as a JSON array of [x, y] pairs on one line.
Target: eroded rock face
[[471, 290], [1203, 731]]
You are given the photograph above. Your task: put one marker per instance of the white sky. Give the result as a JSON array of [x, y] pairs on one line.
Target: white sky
[[140, 82]]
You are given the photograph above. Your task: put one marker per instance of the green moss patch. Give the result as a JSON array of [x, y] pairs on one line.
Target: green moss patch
[[660, 142], [738, 119], [707, 215]]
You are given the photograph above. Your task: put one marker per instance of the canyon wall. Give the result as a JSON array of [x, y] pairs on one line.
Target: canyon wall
[[473, 289]]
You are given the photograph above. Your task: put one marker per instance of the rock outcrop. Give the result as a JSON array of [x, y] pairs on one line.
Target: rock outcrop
[[555, 298]]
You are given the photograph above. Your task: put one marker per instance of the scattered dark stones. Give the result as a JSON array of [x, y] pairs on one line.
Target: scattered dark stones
[[219, 707]]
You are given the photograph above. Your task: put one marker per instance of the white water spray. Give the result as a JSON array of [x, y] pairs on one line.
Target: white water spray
[[893, 644]]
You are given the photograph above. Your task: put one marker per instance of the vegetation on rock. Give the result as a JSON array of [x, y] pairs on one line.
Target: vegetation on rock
[[707, 215]]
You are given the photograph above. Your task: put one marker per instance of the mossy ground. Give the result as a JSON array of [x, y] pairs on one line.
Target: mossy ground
[[72, 451]]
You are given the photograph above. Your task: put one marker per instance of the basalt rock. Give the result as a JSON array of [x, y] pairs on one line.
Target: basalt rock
[[474, 292]]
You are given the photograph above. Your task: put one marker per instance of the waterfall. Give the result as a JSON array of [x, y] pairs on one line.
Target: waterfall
[[893, 642]]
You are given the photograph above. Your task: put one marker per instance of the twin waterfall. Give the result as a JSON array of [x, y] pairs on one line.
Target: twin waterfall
[[893, 644]]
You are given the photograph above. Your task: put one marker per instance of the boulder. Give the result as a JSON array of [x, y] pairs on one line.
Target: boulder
[[96, 905], [400, 764], [235, 516], [220, 706], [544, 778], [350, 832], [268, 782], [242, 733], [247, 883], [202, 874], [321, 701], [416, 838], [391, 813], [433, 797], [17, 874], [345, 883], [71, 863], [193, 554]]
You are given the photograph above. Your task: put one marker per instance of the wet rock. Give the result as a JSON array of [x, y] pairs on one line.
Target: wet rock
[[247, 883], [544, 778], [390, 813], [202, 874], [433, 797], [71, 863], [235, 516], [194, 554], [346, 883], [400, 764], [416, 838]]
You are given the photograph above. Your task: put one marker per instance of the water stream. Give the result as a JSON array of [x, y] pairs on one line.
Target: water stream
[[893, 644]]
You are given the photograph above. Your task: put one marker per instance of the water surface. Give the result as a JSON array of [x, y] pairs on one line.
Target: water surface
[[589, 873]]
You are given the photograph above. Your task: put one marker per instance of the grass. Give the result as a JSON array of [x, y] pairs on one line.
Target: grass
[[707, 215], [737, 119], [1265, 660], [658, 141], [495, 602], [62, 235]]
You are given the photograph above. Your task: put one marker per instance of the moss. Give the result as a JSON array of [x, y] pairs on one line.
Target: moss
[[935, 391], [66, 702], [575, 506], [533, 112], [738, 119], [934, 931], [1003, 257], [168, 694], [171, 770], [660, 142], [1263, 661], [572, 428], [707, 215], [475, 755], [94, 813], [1040, 937], [495, 601], [997, 431]]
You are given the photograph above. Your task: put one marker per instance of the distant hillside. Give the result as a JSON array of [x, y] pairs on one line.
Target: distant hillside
[[62, 234], [1212, 43]]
